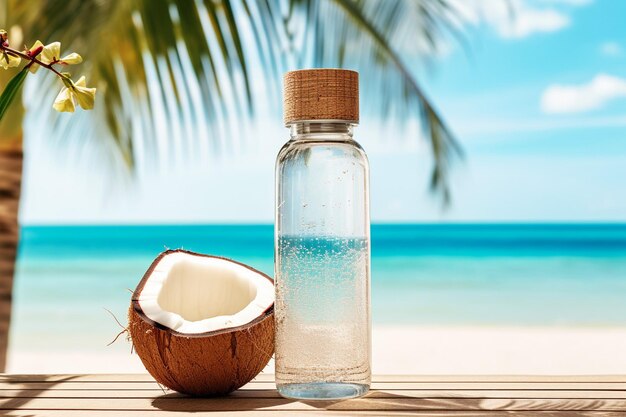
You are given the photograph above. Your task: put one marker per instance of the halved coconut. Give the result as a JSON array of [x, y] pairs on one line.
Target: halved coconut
[[202, 325]]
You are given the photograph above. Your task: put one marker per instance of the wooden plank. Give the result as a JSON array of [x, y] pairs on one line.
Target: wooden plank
[[97, 377], [269, 394], [102, 395], [448, 386], [326, 413], [397, 403], [147, 385], [495, 378], [377, 378]]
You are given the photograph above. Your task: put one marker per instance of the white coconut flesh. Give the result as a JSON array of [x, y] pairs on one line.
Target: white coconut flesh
[[192, 294]]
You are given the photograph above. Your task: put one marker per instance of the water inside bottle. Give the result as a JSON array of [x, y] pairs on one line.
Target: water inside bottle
[[322, 317]]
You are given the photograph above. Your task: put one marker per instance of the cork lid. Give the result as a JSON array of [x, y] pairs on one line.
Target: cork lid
[[321, 94]]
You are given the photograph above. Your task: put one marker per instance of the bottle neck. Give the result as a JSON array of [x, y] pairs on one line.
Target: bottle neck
[[321, 130]]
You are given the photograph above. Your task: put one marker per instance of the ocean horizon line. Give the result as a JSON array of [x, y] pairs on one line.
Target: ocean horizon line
[[618, 223]]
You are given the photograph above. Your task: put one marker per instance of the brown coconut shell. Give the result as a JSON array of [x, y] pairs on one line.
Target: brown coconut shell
[[207, 364]]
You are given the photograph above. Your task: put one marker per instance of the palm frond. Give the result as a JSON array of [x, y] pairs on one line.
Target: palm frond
[[172, 72], [372, 36], [174, 61]]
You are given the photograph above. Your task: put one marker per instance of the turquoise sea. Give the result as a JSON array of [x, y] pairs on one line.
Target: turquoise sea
[[500, 274]]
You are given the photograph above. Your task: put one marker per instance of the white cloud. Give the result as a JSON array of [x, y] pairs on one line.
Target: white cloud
[[528, 21], [584, 97], [518, 18], [611, 49]]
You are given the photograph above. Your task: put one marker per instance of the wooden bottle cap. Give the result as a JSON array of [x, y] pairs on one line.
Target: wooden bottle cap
[[321, 94]]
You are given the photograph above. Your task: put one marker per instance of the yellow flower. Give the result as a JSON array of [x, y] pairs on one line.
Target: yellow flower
[[71, 59], [85, 96], [76, 92], [64, 101], [8, 61], [50, 55]]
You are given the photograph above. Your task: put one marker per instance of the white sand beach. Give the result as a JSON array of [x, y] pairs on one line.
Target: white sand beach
[[411, 350]]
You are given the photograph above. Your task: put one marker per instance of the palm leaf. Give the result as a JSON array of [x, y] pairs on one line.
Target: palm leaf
[[172, 73], [11, 90], [373, 28]]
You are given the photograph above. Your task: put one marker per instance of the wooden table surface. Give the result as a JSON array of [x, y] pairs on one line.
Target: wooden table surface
[[138, 395]]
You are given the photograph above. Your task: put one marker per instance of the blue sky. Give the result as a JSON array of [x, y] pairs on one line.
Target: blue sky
[[538, 101]]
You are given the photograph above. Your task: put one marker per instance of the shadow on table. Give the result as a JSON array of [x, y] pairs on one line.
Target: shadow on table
[[245, 400], [384, 402], [249, 400], [36, 389]]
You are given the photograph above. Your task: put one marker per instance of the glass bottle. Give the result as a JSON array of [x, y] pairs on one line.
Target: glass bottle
[[322, 242]]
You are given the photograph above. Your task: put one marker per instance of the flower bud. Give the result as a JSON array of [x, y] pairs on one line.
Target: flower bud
[[35, 50]]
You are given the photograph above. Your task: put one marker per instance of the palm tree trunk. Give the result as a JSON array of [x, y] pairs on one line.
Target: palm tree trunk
[[10, 185], [11, 157]]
